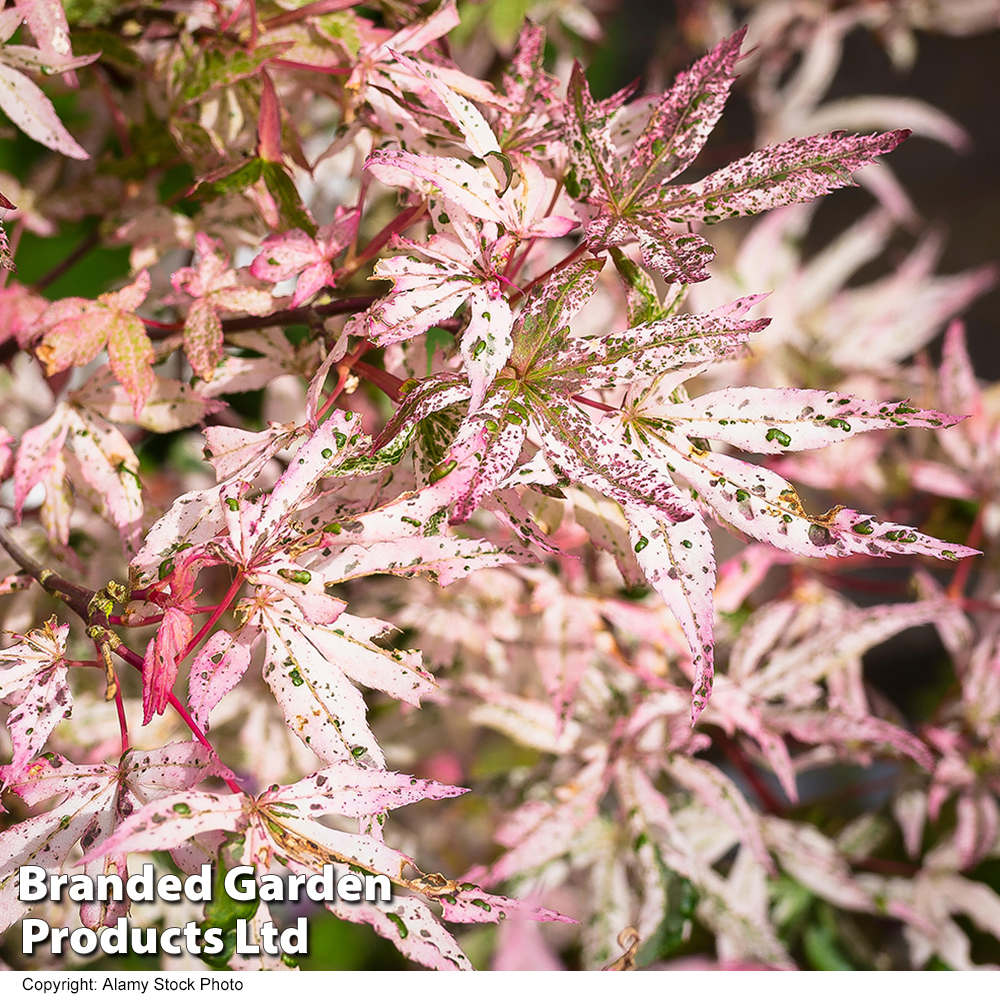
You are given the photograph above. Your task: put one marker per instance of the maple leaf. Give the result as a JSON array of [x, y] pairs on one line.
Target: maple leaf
[[636, 465], [21, 99], [422, 104], [215, 288], [466, 269], [524, 120], [756, 501], [93, 799], [101, 463], [857, 328], [633, 196], [314, 653], [296, 253], [282, 825], [170, 405], [33, 682], [466, 262], [73, 331]]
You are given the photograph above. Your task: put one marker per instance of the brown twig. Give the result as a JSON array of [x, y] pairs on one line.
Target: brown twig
[[83, 248], [73, 595]]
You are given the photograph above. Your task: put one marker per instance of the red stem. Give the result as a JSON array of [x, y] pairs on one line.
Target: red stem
[[135, 660], [216, 615], [568, 259], [389, 384], [596, 404], [402, 221], [122, 721], [344, 373]]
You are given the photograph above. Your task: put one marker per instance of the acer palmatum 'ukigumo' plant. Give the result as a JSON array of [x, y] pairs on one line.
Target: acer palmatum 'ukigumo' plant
[[541, 458]]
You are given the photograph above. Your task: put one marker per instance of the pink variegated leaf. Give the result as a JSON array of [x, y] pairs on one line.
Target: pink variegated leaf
[[131, 356], [450, 481], [170, 406], [37, 453], [594, 173], [680, 124], [297, 253], [579, 451], [159, 670], [525, 82], [15, 582], [314, 844], [33, 680], [419, 400], [88, 795], [677, 256], [169, 820], [303, 587], [57, 507], [20, 307], [233, 451], [424, 292], [506, 507], [203, 342], [607, 528], [10, 21], [837, 728], [532, 202], [499, 428], [215, 287], [218, 668], [457, 181], [49, 27], [350, 643], [32, 60], [148, 774], [722, 796], [543, 323], [772, 421], [470, 905], [793, 171], [442, 558], [94, 800], [566, 647], [812, 859], [486, 343], [840, 637], [679, 344], [678, 560], [960, 391], [479, 137], [26, 105], [351, 791], [193, 519], [109, 466], [539, 832], [337, 439], [410, 925], [320, 704], [760, 503], [74, 330]]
